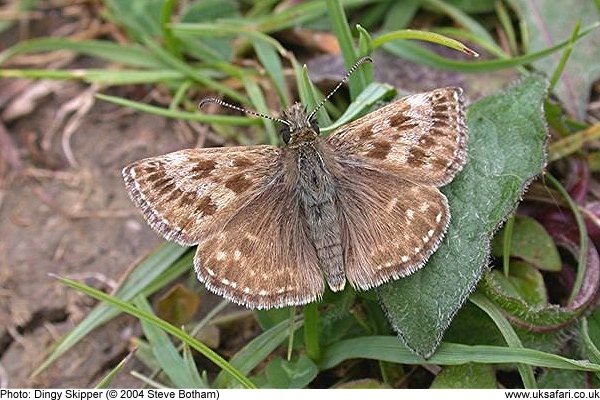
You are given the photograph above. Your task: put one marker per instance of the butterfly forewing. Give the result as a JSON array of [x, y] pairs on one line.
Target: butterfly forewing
[[422, 137], [181, 192]]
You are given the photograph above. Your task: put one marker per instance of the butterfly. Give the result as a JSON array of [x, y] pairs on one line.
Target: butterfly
[[274, 225]]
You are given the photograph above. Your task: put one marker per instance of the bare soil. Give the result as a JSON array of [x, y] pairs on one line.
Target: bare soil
[[73, 221]]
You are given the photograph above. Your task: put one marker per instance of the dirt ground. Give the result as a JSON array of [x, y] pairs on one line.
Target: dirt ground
[[74, 221]]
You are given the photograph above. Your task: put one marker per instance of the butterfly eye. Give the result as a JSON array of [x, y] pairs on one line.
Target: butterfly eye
[[285, 133], [315, 125]]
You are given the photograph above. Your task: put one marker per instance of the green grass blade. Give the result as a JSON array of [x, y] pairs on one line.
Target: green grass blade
[[165, 352], [190, 365], [506, 23], [311, 331], [171, 42], [131, 55], [583, 236], [257, 350], [269, 58], [425, 36], [301, 13], [357, 82], [461, 18], [365, 48], [508, 230], [423, 56], [169, 60], [573, 143], [168, 258], [563, 59], [508, 333], [258, 100], [309, 95], [108, 378], [372, 94], [165, 326], [165, 112], [100, 76], [389, 348], [590, 347]]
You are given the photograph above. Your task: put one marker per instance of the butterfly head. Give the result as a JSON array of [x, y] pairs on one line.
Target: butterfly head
[[298, 128]]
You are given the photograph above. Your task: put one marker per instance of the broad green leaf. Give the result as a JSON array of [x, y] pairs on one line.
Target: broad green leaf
[[524, 282], [506, 151], [467, 376], [530, 242], [283, 374], [550, 317], [551, 21], [363, 384], [561, 379]]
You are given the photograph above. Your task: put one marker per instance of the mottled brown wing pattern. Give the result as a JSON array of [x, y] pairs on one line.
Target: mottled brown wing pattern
[[390, 226], [261, 255], [422, 137], [182, 192]]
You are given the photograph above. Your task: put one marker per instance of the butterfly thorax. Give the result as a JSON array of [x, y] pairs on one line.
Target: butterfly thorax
[[299, 128], [314, 186]]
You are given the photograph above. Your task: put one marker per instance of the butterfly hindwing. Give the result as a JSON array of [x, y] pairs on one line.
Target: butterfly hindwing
[[390, 226], [261, 255]]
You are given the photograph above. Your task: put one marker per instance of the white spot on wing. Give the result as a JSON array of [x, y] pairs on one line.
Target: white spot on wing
[[221, 255]]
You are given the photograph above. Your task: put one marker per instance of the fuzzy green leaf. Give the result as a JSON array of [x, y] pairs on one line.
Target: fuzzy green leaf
[[506, 150], [530, 242]]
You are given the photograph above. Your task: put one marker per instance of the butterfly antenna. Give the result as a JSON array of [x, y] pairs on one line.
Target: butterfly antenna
[[357, 64], [225, 104]]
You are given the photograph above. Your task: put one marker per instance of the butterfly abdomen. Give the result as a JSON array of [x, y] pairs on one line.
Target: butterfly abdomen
[[316, 193]]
